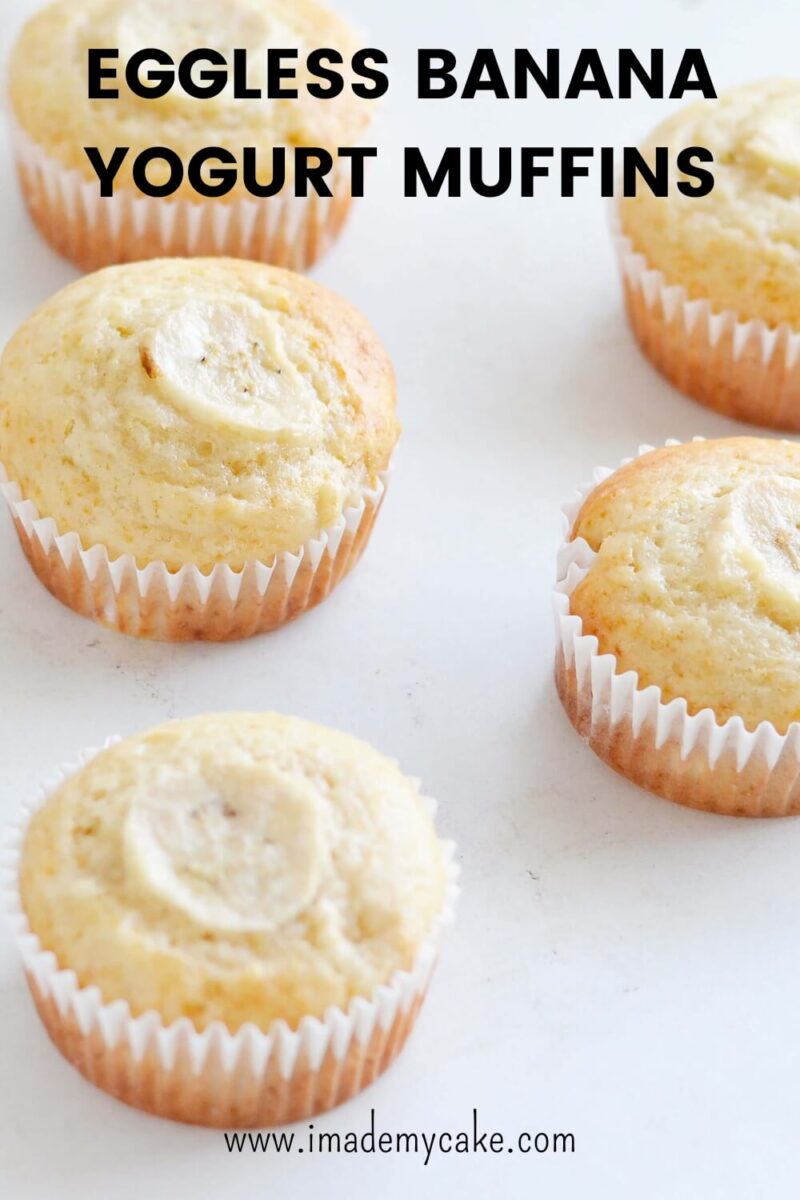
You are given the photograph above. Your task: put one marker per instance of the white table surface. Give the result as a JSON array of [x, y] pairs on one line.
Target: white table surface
[[621, 968]]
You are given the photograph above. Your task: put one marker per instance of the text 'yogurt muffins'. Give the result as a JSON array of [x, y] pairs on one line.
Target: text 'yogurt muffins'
[[196, 447], [678, 623], [712, 283], [54, 120], [232, 920]]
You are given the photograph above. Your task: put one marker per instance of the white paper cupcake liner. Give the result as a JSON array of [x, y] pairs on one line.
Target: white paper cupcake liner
[[95, 231], [188, 604], [689, 758], [744, 368], [247, 1079]]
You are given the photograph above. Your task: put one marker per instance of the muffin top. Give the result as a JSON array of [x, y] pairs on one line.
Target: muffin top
[[195, 411], [240, 867], [739, 246], [49, 81], [696, 580]]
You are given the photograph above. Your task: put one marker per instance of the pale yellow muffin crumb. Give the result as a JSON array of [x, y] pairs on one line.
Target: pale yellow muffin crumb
[[739, 246], [195, 411], [696, 580], [238, 867], [49, 89]]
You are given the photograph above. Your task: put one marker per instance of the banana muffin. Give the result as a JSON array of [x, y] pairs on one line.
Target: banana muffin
[[712, 282], [240, 873], [55, 119], [680, 623], [196, 414]]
